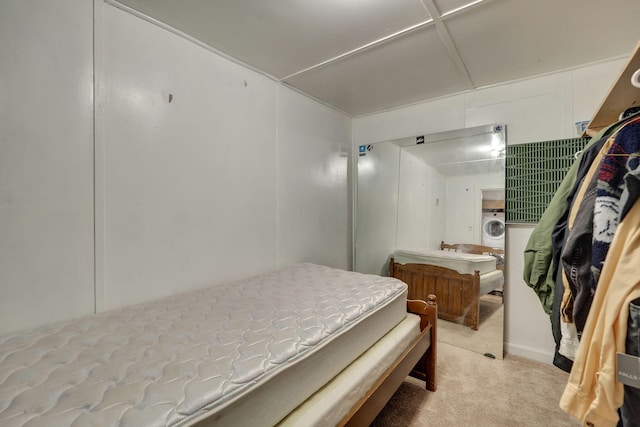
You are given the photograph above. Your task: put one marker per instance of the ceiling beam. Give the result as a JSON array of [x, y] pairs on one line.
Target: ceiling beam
[[362, 48], [446, 39]]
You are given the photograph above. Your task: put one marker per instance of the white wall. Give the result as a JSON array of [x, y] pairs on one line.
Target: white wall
[[46, 162], [204, 170], [536, 109], [464, 205], [378, 177], [314, 145], [422, 204], [189, 185], [235, 176]]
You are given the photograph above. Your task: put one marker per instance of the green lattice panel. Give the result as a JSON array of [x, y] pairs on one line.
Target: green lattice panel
[[533, 173]]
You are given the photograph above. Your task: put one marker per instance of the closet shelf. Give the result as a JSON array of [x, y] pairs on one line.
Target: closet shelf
[[622, 95]]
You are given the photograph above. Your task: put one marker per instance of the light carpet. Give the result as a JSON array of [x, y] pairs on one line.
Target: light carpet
[[474, 390], [489, 336]]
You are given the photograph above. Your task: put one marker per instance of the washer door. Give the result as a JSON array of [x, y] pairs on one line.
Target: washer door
[[494, 229]]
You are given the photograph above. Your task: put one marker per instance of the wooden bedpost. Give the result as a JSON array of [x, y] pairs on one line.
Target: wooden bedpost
[[425, 369], [473, 316]]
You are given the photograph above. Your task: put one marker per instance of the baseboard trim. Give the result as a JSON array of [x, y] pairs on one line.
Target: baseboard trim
[[528, 353]]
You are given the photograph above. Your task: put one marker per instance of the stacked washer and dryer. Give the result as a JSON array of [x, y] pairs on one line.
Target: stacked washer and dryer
[[493, 228]]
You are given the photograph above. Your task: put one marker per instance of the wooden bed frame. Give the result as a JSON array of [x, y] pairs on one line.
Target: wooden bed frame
[[418, 360], [458, 294]]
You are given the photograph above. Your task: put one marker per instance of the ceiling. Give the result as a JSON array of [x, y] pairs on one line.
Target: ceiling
[[363, 56]]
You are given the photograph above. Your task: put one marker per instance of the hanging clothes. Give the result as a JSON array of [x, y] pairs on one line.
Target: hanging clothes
[[576, 252], [604, 283], [621, 160], [593, 394], [602, 279], [542, 252], [538, 267], [575, 271], [544, 248], [540, 260], [559, 360], [630, 410]]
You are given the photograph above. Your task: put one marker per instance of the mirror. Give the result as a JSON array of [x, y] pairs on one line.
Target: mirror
[[414, 193]]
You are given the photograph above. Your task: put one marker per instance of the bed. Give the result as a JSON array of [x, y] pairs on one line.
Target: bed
[[303, 345], [458, 280], [470, 248]]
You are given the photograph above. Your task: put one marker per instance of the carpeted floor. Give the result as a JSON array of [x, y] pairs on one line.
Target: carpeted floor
[[474, 390], [489, 336]]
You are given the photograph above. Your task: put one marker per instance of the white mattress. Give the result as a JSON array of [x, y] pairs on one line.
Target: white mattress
[[266, 343], [333, 402], [461, 262], [490, 281]]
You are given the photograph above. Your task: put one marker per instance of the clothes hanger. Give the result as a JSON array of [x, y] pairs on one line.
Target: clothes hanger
[[635, 78], [629, 112], [635, 82]]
